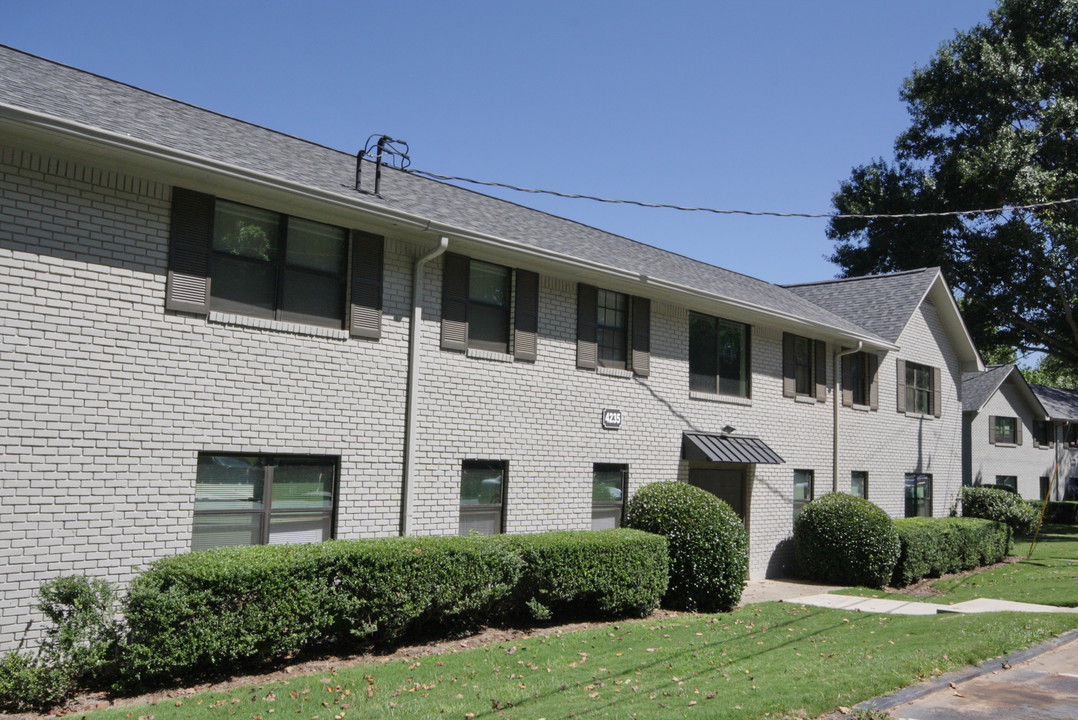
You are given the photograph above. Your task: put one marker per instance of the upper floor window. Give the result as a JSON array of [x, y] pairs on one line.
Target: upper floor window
[[859, 383], [263, 499], [804, 367], [485, 306], [1042, 435], [718, 356], [613, 330], [1005, 430], [919, 389]]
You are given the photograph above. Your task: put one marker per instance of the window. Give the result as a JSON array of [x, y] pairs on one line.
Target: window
[[718, 356], [608, 486], [804, 367], [859, 384], [263, 499], [476, 300], [803, 490], [919, 389], [1042, 437], [482, 489], [240, 259], [1072, 436], [918, 495], [1046, 485], [1005, 431], [1008, 481], [613, 330], [859, 483]]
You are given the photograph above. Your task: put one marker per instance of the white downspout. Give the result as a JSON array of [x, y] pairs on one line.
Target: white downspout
[[408, 494], [838, 401]]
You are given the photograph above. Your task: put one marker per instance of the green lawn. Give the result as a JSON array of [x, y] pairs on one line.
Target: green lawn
[[1048, 577], [767, 658]]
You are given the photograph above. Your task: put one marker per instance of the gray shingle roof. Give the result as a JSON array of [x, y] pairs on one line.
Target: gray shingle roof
[[977, 388], [57, 90], [1060, 403], [882, 304]]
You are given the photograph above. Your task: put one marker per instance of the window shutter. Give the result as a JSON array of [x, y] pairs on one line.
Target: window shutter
[[873, 380], [847, 378], [455, 302], [188, 284], [365, 311], [641, 342], [937, 392], [992, 429], [789, 386], [587, 353], [820, 347], [526, 319], [900, 383], [1018, 431]]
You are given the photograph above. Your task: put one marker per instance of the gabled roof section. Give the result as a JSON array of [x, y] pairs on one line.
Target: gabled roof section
[[60, 106], [1061, 404], [884, 304], [978, 388]]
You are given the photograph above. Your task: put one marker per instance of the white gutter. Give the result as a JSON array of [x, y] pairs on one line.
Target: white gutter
[[838, 402], [408, 491], [79, 132]]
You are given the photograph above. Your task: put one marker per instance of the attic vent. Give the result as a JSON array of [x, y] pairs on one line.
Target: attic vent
[[385, 149]]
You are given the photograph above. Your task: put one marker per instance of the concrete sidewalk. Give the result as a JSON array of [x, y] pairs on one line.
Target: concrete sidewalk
[[905, 607]]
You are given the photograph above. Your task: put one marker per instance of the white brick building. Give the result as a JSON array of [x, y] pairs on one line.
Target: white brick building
[[209, 336]]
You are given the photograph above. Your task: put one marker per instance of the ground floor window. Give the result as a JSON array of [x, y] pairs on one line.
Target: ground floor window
[[803, 490], [482, 492], [859, 483], [263, 499], [608, 485], [1008, 481], [1071, 491], [918, 495], [1045, 487]]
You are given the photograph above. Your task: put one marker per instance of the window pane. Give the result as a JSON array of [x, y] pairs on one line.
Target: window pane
[[243, 286], [316, 246], [802, 485], [1010, 481], [228, 482], [481, 484], [733, 360], [482, 521], [312, 299], [611, 330], [605, 518], [488, 327], [607, 485], [859, 483], [302, 485], [226, 529], [288, 528], [858, 377], [803, 364], [703, 353], [918, 495], [1006, 430], [245, 231], [488, 284]]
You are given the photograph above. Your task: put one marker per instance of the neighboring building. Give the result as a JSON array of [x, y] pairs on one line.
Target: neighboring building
[[1007, 434], [1062, 408], [211, 336]]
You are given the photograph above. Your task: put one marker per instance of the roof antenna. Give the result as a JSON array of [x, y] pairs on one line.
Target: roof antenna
[[396, 150]]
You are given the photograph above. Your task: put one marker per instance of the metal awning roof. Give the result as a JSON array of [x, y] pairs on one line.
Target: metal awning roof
[[718, 447]]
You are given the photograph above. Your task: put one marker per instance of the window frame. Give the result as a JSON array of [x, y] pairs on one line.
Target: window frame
[[499, 345], [598, 506], [1045, 486], [609, 336], [907, 397], [914, 503], [520, 320], [816, 351], [266, 513], [803, 478], [864, 483], [710, 378], [1004, 430], [1010, 481], [590, 335], [496, 510], [1042, 433]]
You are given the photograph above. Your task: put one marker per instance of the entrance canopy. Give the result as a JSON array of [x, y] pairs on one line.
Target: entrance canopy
[[718, 447]]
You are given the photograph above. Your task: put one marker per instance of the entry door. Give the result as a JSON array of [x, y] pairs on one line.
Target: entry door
[[728, 485]]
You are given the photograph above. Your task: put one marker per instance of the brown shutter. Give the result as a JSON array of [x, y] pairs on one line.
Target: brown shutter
[[992, 429], [365, 309], [455, 302], [641, 342], [874, 384], [847, 378], [526, 318], [789, 385], [188, 284], [937, 392], [1018, 431], [900, 383], [587, 353], [820, 348]]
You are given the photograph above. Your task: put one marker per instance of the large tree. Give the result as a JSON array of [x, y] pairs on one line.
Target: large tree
[[994, 122]]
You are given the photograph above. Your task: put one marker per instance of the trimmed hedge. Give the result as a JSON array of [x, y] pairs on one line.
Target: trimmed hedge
[[932, 547], [1064, 512], [1000, 505], [840, 538], [210, 611], [709, 548]]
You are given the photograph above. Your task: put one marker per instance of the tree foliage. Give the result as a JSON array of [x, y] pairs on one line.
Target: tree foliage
[[994, 123]]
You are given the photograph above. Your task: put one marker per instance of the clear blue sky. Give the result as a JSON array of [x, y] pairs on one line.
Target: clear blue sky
[[762, 105]]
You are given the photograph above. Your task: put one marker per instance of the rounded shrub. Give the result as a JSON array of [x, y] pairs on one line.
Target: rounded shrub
[[1002, 506], [709, 549], [844, 539]]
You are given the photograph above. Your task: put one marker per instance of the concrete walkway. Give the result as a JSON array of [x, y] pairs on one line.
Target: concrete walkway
[[904, 607]]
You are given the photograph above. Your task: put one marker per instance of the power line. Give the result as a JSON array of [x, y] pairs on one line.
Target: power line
[[851, 216]]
